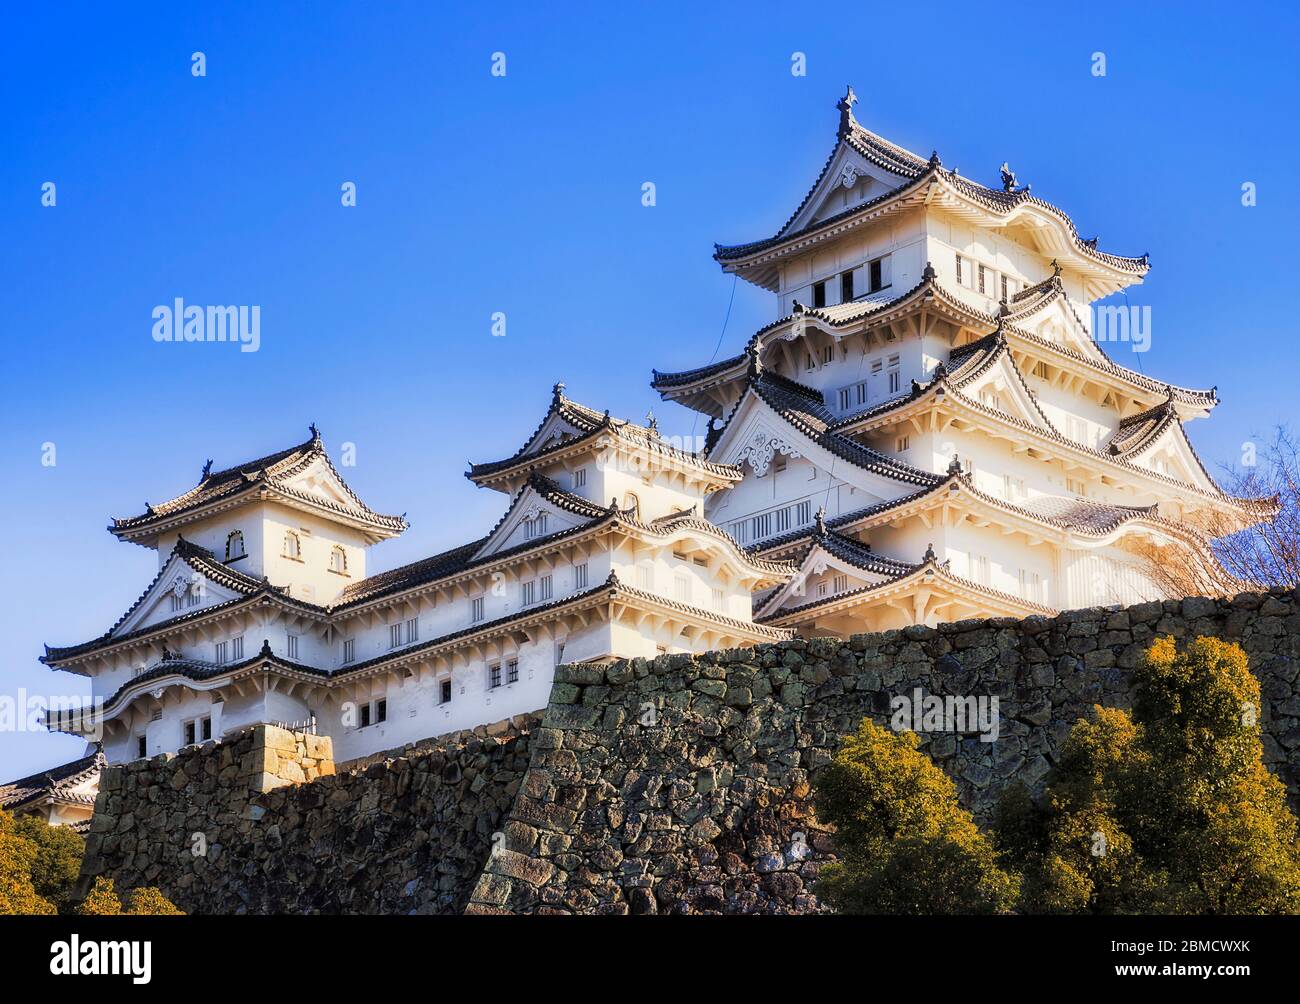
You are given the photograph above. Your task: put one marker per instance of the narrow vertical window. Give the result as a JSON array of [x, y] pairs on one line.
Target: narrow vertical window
[[292, 647], [338, 560], [237, 648], [580, 576], [846, 287], [234, 545], [394, 635], [819, 294], [444, 692], [877, 273], [349, 650], [476, 608], [960, 281], [412, 630], [545, 589], [292, 546], [512, 671], [140, 747], [494, 676]]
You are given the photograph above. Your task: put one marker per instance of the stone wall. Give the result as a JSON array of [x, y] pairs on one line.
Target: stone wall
[[680, 784], [231, 828]]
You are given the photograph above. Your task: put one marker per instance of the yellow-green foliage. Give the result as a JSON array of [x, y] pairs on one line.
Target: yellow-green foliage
[[39, 865], [103, 901], [905, 845], [1169, 811], [59, 851], [18, 857]]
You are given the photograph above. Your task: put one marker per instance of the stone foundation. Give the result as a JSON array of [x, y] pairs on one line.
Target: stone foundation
[[676, 785]]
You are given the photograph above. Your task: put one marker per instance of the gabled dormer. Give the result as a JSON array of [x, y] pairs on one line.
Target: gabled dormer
[[288, 516]]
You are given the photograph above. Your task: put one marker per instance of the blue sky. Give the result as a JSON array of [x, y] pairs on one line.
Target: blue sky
[[478, 194]]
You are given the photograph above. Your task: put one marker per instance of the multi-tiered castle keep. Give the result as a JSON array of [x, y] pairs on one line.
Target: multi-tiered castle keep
[[929, 432], [933, 384]]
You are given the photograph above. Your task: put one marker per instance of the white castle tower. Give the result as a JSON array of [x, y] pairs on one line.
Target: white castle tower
[[933, 386]]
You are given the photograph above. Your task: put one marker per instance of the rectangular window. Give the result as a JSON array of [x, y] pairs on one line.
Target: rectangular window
[[1075, 486], [363, 715], [719, 601], [783, 519], [444, 692], [140, 749], [803, 513], [192, 596], [580, 576], [381, 711], [840, 583], [846, 398], [645, 577], [846, 287], [980, 569], [762, 525], [876, 273], [828, 354], [819, 294], [961, 279], [476, 608], [292, 648], [349, 649], [903, 444], [982, 271], [222, 656], [809, 362], [580, 478], [394, 635], [528, 592], [512, 671], [412, 630], [682, 589], [494, 676], [205, 728], [895, 381], [189, 734], [1004, 289], [177, 603], [237, 648], [545, 588]]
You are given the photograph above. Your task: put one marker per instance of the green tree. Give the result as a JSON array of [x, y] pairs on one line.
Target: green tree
[[147, 901], [59, 850], [905, 846], [18, 857], [1168, 811]]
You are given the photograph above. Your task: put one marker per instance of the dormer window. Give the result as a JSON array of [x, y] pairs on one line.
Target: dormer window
[[235, 545], [338, 560], [292, 546], [535, 527]]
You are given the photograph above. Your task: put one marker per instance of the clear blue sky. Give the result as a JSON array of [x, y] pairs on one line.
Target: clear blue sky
[[521, 194]]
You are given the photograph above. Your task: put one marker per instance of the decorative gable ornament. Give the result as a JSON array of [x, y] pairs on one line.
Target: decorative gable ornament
[[762, 448], [849, 175]]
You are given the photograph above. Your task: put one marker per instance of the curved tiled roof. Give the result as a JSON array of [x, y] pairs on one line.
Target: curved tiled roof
[[916, 173], [56, 783], [205, 563], [590, 423], [805, 409], [273, 470]]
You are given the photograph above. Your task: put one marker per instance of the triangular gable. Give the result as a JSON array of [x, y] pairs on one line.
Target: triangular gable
[[849, 180], [997, 384], [528, 505], [1057, 323], [1170, 453], [178, 578], [756, 433], [815, 580], [320, 480], [555, 430]]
